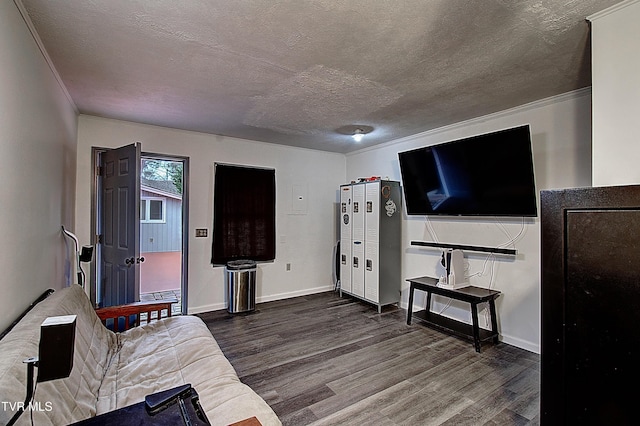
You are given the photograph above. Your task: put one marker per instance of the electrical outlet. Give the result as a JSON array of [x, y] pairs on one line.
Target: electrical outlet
[[201, 232], [288, 266]]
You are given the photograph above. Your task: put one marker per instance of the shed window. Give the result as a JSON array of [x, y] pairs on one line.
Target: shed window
[[153, 210]]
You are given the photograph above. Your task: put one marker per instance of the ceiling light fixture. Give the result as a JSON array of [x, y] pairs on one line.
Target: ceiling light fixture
[[356, 131], [358, 134]]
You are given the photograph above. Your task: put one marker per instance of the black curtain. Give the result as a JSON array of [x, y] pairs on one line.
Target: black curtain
[[244, 214]]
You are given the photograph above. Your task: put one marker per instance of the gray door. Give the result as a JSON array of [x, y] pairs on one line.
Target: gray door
[[119, 225]]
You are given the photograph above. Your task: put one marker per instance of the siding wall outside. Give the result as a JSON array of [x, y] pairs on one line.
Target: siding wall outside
[[163, 237]]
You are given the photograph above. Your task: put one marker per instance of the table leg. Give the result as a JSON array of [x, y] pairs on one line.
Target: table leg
[[476, 327], [410, 307], [494, 320]]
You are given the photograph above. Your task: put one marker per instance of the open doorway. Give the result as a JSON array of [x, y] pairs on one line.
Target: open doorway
[[119, 226], [163, 207]]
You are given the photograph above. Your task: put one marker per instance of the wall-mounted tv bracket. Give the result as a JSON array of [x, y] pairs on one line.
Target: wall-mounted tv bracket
[[497, 250]]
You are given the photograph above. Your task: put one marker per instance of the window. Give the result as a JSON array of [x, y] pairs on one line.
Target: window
[[244, 214], [153, 209]]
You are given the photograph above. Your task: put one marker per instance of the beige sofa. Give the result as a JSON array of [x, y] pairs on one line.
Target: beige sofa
[[113, 370]]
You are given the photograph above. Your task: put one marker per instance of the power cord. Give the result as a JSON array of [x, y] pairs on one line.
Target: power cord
[[34, 397]]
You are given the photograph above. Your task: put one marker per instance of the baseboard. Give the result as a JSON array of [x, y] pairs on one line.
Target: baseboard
[[292, 294], [519, 343], [262, 299], [206, 308]]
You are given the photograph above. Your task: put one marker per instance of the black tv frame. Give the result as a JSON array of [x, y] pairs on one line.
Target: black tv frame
[[474, 176]]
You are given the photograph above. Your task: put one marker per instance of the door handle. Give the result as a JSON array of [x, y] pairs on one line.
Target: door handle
[[132, 260]]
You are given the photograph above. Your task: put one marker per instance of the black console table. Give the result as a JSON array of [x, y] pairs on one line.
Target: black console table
[[472, 295]]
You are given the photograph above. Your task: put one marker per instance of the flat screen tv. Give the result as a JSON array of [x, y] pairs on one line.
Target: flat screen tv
[[486, 175]]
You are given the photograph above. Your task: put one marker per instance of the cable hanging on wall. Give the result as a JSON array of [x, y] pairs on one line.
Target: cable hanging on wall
[[81, 255]]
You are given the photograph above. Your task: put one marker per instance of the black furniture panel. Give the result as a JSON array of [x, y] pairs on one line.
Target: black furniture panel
[[590, 299]]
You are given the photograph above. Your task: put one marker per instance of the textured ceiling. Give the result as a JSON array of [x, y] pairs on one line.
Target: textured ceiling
[[297, 72]]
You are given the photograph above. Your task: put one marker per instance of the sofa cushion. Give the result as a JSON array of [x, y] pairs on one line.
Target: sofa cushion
[[175, 351], [65, 400]]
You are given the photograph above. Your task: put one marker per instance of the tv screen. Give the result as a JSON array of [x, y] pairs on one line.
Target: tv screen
[[486, 175]]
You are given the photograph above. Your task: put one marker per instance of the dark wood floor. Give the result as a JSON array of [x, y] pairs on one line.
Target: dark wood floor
[[326, 360]]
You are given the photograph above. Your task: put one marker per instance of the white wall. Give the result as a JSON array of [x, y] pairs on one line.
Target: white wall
[[616, 94], [304, 240], [561, 142], [38, 144]]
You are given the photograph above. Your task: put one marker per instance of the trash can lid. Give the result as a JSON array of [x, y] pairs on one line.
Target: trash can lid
[[241, 264]]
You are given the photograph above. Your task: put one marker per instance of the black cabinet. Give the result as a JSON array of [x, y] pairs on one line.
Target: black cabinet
[[590, 346]]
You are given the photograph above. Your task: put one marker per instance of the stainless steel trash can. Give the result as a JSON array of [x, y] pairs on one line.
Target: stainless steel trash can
[[240, 279]]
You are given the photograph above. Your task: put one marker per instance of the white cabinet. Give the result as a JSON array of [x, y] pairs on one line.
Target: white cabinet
[[346, 194], [370, 238], [357, 241]]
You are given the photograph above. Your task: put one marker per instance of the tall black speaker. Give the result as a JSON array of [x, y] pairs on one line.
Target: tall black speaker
[[57, 341]]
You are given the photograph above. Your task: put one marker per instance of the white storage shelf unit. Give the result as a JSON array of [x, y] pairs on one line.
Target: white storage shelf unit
[[370, 238]]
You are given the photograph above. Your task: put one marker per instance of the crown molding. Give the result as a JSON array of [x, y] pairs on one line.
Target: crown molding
[[574, 94], [610, 10]]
